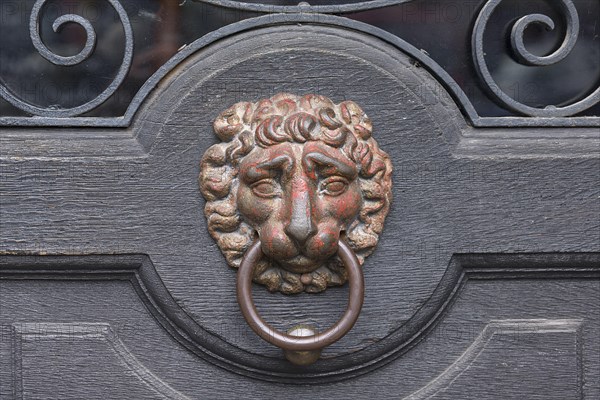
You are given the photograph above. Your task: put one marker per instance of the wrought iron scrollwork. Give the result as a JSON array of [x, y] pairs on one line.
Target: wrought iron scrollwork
[[527, 58], [303, 12], [85, 53]]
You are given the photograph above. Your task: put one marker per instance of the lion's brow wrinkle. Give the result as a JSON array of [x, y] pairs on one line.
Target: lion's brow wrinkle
[[322, 159], [255, 172]]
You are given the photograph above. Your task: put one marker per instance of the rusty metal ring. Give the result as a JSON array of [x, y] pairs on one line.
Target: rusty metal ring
[[306, 343]]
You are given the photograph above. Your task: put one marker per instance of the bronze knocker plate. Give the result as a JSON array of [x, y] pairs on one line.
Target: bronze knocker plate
[[302, 178]]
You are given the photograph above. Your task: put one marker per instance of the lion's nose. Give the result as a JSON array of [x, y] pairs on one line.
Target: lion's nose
[[300, 227]]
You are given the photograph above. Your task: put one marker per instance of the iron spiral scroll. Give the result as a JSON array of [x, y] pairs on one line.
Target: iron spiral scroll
[[66, 61], [525, 57]]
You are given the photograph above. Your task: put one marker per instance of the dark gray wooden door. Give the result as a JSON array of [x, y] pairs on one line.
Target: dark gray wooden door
[[485, 283]]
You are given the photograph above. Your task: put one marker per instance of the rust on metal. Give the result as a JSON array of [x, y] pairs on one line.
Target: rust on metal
[[299, 173]]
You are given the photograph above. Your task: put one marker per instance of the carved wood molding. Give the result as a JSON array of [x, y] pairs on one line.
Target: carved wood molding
[[34, 335], [138, 269]]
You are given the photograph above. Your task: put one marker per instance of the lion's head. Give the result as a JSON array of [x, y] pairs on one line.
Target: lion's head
[[299, 173]]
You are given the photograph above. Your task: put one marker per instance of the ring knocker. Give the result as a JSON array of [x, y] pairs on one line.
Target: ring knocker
[[290, 174], [301, 346]]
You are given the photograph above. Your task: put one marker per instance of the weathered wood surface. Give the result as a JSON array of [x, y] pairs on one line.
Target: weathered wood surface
[[500, 338], [138, 194]]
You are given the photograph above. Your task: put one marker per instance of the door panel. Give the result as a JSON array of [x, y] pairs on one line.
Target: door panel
[[485, 282]]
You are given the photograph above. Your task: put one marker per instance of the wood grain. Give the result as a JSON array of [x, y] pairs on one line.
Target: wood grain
[[135, 192]]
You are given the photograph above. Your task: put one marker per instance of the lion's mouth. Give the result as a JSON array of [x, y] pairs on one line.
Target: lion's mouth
[[300, 264]]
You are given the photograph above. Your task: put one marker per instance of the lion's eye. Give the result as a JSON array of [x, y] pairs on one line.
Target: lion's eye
[[334, 186], [266, 188]]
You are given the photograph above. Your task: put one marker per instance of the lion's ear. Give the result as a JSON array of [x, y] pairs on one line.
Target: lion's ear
[[216, 175], [231, 121], [357, 119]]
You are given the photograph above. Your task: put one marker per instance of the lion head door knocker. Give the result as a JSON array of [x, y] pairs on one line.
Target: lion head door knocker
[[296, 196]]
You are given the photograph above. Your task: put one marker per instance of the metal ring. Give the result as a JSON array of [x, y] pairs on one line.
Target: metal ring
[[295, 343]]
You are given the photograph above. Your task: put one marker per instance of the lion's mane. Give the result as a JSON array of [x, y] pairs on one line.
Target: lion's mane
[[289, 118]]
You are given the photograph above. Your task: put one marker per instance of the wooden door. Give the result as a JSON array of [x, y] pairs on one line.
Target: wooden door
[[483, 284]]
